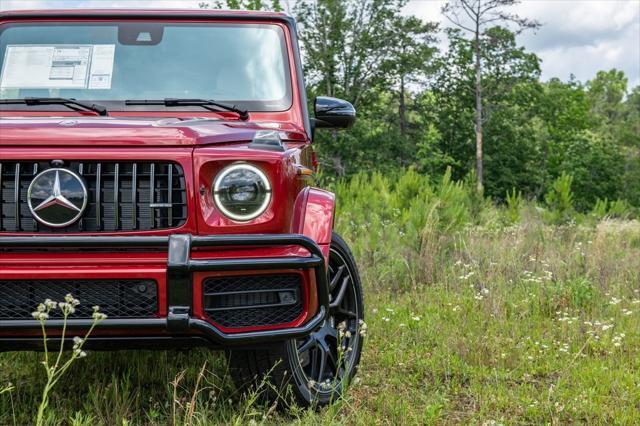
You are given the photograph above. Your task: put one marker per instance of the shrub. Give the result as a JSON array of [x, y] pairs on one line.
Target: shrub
[[559, 200]]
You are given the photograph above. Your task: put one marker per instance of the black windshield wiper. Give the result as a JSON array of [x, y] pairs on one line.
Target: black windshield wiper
[[204, 103], [68, 102]]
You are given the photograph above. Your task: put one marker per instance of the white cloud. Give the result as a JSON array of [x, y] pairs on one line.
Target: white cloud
[[579, 37], [583, 37]]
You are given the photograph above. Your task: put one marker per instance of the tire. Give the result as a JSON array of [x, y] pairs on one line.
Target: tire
[[298, 364]]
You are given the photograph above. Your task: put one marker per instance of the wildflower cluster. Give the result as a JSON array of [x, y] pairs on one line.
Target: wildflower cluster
[[480, 295], [467, 272], [541, 347], [68, 307], [343, 332], [363, 328], [597, 328], [42, 311], [565, 317], [77, 347], [55, 368], [617, 339], [97, 315], [542, 277], [324, 385]]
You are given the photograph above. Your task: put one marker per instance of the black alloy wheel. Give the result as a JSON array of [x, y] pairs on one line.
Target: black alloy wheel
[[320, 365]]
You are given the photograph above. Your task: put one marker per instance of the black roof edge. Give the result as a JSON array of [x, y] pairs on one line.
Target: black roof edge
[[165, 14]]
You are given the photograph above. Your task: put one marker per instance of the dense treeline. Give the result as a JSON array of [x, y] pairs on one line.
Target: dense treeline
[[418, 104]]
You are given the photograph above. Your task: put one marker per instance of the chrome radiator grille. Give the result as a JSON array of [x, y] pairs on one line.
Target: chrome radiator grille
[[122, 196]]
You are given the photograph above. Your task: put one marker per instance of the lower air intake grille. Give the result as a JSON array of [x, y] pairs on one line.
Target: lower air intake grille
[[116, 298], [249, 301]]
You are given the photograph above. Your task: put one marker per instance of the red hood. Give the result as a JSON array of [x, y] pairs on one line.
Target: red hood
[[141, 131]]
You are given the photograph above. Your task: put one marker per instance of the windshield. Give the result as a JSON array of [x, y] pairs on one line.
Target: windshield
[[244, 64]]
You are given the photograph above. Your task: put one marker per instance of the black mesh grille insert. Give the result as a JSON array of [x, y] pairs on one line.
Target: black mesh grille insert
[[116, 298], [123, 196], [257, 300]]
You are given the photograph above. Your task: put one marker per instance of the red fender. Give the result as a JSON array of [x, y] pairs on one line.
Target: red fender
[[313, 216]]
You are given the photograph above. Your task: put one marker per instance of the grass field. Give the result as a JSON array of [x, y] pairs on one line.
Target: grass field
[[475, 315]]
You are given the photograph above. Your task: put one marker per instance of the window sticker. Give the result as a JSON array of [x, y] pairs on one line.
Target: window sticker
[[58, 66]]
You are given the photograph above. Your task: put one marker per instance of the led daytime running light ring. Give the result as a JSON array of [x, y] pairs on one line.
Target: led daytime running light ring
[[235, 216]]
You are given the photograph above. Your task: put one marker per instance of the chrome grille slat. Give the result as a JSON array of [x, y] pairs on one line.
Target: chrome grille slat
[[122, 196], [134, 196], [1, 199], [170, 193], [116, 195], [152, 193], [98, 192], [16, 196]]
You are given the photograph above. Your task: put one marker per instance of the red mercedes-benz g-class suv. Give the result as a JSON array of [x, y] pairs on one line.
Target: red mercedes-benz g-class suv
[[158, 164]]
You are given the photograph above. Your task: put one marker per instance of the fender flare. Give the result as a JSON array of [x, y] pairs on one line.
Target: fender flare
[[314, 213]]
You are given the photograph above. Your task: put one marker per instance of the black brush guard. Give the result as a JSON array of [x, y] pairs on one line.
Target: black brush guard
[[180, 266]]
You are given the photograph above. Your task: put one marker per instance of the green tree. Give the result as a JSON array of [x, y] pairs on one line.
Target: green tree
[[606, 93], [365, 52], [273, 5], [411, 59], [510, 92], [351, 46], [596, 166], [629, 137], [563, 112], [475, 17]]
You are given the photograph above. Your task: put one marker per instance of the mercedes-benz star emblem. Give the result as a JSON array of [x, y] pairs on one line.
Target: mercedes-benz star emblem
[[57, 197]]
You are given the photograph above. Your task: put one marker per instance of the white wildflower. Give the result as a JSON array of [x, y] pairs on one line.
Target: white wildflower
[[363, 328], [40, 316], [98, 316]]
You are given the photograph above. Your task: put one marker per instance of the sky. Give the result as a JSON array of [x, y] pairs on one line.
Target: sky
[[578, 37]]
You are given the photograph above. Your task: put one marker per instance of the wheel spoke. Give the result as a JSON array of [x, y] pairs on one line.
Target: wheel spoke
[[336, 277], [323, 362], [340, 297], [332, 358], [345, 313], [314, 362], [310, 343], [332, 332]]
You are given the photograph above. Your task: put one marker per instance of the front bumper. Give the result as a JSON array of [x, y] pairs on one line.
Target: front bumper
[[179, 322]]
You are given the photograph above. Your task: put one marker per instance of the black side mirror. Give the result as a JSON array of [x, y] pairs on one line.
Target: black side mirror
[[333, 113]]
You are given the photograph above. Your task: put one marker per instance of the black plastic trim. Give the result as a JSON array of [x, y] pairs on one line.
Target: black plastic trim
[[165, 14], [179, 287]]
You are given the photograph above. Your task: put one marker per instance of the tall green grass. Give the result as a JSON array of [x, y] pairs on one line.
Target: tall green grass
[[526, 313]]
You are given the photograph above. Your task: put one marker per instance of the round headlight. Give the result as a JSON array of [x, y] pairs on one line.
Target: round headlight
[[242, 192]]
